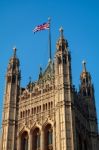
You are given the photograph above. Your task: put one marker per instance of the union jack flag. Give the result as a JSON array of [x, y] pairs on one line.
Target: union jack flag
[[43, 26]]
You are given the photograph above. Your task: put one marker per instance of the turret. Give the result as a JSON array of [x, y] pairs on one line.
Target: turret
[[63, 100], [87, 95], [63, 60], [86, 88], [10, 103]]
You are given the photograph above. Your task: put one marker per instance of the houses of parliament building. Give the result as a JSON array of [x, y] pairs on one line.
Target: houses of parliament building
[[49, 114]]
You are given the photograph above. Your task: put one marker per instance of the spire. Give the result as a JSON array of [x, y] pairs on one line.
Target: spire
[[62, 43], [61, 32], [84, 66], [14, 49], [40, 74], [30, 79], [14, 61], [86, 87], [85, 75]]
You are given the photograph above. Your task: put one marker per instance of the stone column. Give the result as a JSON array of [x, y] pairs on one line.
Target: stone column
[[19, 143], [54, 147], [30, 142], [42, 140]]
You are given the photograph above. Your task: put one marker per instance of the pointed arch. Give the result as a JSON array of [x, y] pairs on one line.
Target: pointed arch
[[48, 137], [36, 137], [23, 129], [48, 121], [24, 140]]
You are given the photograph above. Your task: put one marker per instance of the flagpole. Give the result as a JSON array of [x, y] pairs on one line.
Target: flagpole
[[49, 43]]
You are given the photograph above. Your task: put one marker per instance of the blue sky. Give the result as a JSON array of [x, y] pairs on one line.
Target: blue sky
[[80, 20]]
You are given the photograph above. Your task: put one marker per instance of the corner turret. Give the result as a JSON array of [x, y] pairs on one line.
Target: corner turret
[[63, 88], [10, 112], [86, 88]]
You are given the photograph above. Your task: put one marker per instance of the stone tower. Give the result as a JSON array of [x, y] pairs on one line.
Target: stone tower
[[50, 114], [9, 124], [87, 92], [63, 99]]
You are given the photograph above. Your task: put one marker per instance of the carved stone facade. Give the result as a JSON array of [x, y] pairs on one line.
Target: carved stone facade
[[49, 114]]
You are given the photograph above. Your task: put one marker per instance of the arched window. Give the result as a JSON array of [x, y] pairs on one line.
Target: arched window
[[43, 107], [89, 92], [21, 115], [59, 60], [24, 141], [83, 81], [32, 110], [84, 92], [85, 145], [64, 59], [46, 106], [36, 139], [80, 142], [48, 137], [51, 104], [28, 112]]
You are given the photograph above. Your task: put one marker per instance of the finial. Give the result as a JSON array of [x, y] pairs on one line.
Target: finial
[[40, 74], [14, 49], [40, 70], [61, 32], [84, 65], [30, 79], [49, 19]]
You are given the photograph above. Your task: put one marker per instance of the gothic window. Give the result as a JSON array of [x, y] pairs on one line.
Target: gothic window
[[80, 142], [21, 115], [64, 59], [36, 90], [37, 109], [47, 86], [28, 112], [51, 104], [40, 108], [13, 79], [32, 110], [43, 107], [84, 80], [59, 60], [24, 141], [48, 137], [69, 57], [60, 48], [85, 145], [88, 92], [84, 92], [46, 106], [14, 66], [63, 47], [9, 79], [36, 139], [87, 80]]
